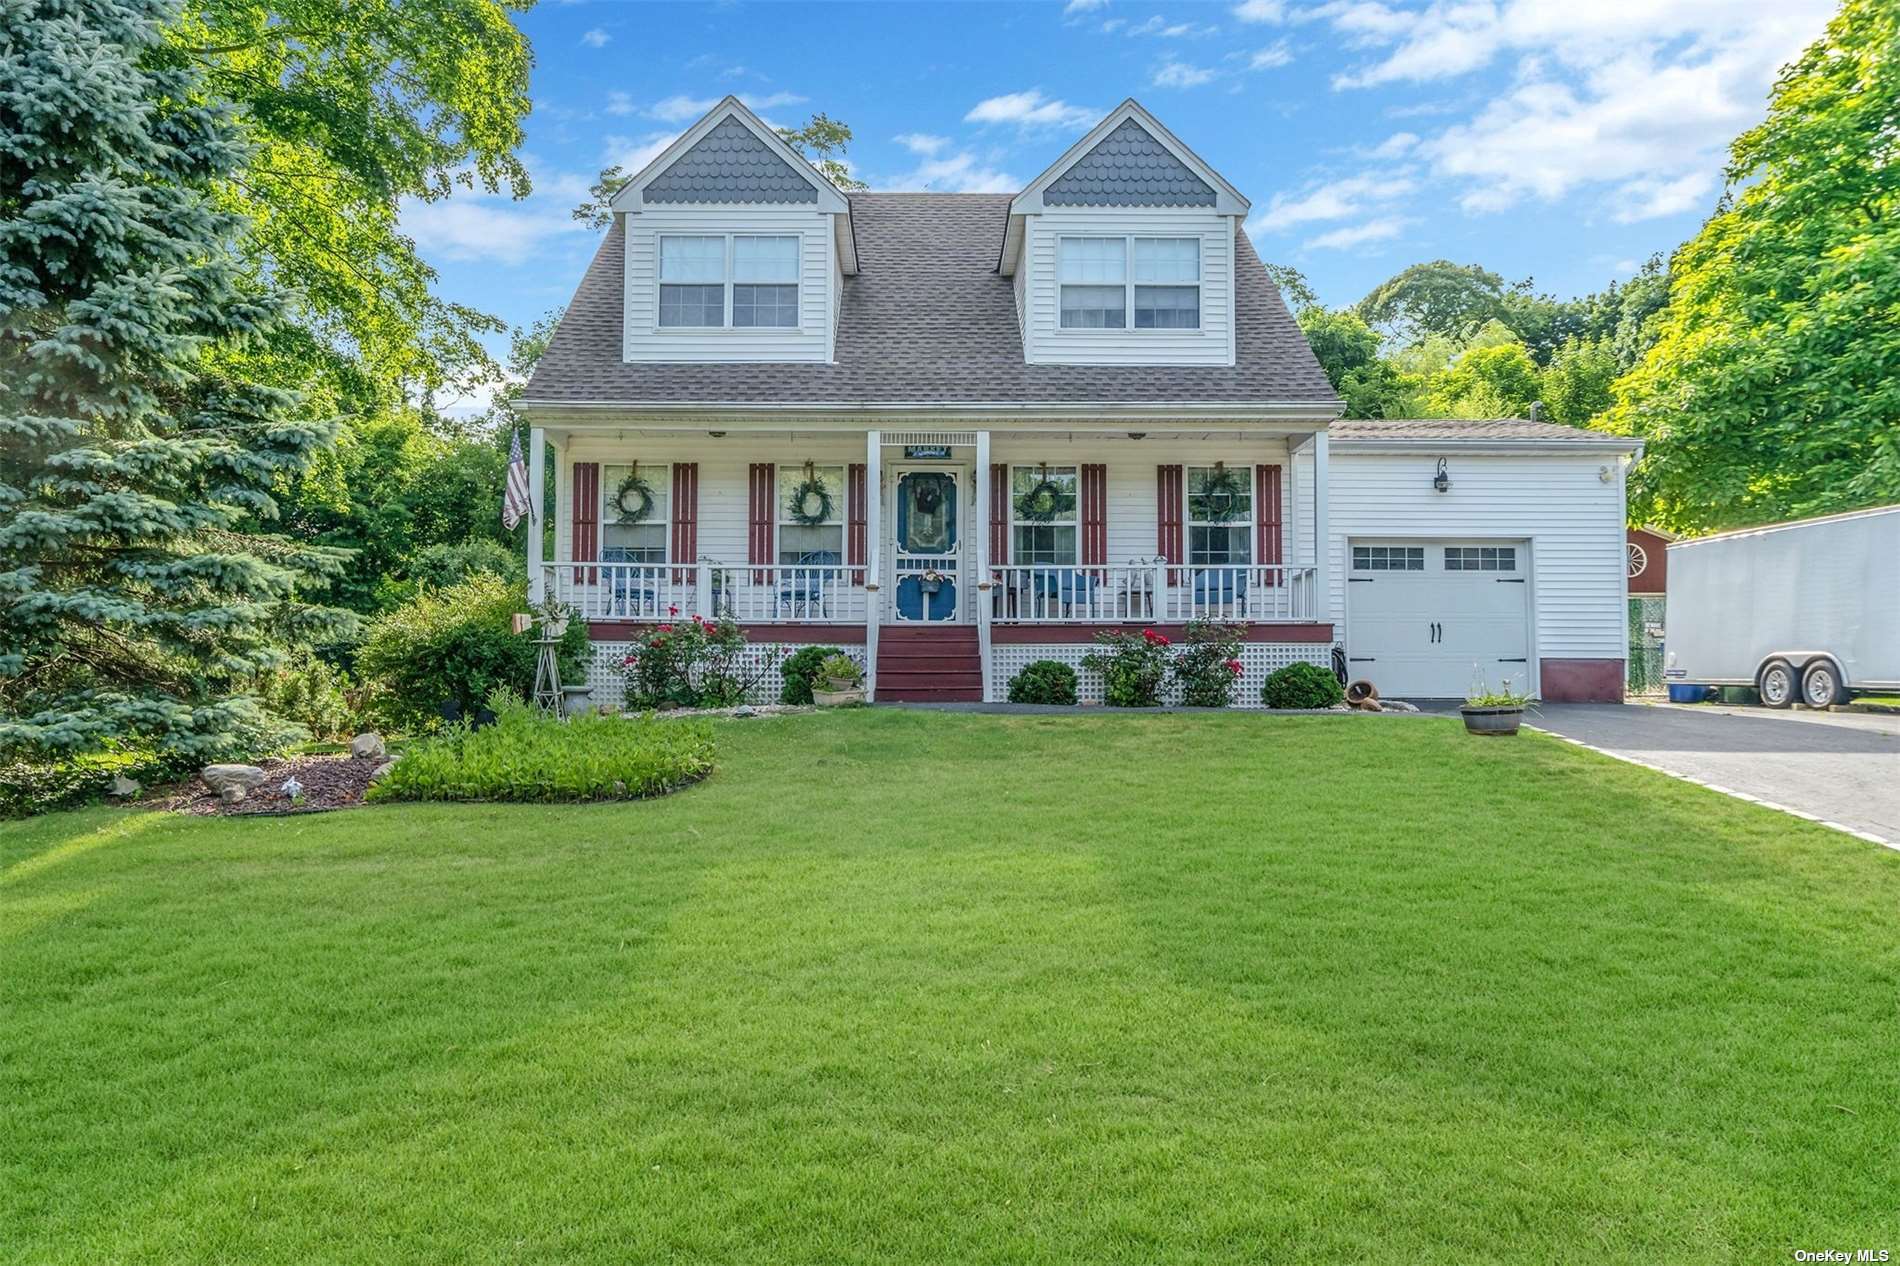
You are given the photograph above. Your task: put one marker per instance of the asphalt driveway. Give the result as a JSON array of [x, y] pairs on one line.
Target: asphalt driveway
[[1843, 768]]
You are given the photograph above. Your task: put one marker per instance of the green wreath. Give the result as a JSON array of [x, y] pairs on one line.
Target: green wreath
[[813, 488], [1229, 487], [633, 486], [1041, 503]]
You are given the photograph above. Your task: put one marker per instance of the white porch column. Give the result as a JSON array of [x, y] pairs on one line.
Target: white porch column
[[983, 558], [537, 512], [1322, 535], [873, 552]]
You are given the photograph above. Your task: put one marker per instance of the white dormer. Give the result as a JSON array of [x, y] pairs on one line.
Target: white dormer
[[1122, 252], [736, 248]]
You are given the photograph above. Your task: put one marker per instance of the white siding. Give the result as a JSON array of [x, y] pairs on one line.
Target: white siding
[[1046, 342], [812, 341], [1573, 520]]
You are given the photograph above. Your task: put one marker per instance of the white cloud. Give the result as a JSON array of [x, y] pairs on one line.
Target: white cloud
[[1650, 199], [1273, 55], [1113, 25], [1396, 145], [680, 108], [470, 400], [468, 226], [1162, 28], [1357, 235], [1074, 7], [620, 103], [1334, 200], [961, 172], [630, 153], [921, 142], [596, 38], [1273, 11], [1179, 74], [1031, 109]]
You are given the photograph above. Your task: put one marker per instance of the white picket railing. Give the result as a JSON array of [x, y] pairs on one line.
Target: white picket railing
[[656, 593], [789, 594], [1155, 592], [621, 591]]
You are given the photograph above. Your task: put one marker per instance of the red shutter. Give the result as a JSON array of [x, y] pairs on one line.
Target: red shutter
[[1267, 519], [854, 516], [585, 545], [1168, 514], [685, 544], [1094, 515], [999, 515], [758, 550]]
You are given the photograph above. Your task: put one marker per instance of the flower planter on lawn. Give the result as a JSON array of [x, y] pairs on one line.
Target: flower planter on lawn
[[846, 697], [1492, 720]]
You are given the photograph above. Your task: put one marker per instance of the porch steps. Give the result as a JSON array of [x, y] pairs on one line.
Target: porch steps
[[930, 664]]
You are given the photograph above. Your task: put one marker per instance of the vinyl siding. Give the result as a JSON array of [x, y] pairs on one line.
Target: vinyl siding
[[1573, 520], [1047, 343], [817, 296]]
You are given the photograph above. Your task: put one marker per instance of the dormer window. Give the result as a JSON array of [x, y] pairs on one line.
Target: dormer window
[[752, 277], [1099, 289]]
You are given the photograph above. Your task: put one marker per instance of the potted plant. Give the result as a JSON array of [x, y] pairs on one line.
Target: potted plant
[[839, 682], [1489, 711], [576, 698]]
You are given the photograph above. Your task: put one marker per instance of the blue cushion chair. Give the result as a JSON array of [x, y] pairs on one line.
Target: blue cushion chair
[[1220, 588]]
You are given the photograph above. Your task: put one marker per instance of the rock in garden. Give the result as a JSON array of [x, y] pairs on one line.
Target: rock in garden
[[231, 793], [122, 788], [368, 744], [744, 712], [243, 777], [381, 771]]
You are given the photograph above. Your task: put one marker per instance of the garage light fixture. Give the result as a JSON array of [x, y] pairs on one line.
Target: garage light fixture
[[1441, 480]]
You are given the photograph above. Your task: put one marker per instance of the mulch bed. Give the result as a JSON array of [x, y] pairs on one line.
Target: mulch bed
[[329, 782]]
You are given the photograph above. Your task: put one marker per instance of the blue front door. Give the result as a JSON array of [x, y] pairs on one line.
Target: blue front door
[[927, 559]]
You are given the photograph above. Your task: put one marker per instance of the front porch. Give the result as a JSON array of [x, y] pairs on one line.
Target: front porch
[[1034, 540]]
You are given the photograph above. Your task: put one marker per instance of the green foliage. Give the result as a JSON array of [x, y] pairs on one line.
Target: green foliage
[[1207, 667], [1488, 382], [1578, 384], [1294, 287], [40, 786], [529, 756], [454, 644], [1302, 686], [131, 444], [798, 670], [1439, 297], [314, 694], [1343, 342], [1133, 667], [839, 672], [1773, 388], [1044, 681], [694, 663]]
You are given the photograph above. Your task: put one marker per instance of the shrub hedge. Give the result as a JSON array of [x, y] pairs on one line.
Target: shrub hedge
[[798, 670], [1302, 686], [1045, 681]]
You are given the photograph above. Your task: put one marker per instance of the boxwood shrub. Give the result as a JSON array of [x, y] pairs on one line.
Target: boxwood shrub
[[1045, 681], [798, 670], [1302, 686]]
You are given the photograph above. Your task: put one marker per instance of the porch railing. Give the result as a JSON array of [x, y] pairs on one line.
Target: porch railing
[[654, 593], [1144, 592]]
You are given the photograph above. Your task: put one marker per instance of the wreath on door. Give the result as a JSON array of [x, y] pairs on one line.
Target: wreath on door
[[633, 498], [1221, 493], [1042, 502], [810, 503]]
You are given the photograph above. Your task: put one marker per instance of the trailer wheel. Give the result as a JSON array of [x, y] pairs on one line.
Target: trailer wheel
[[1821, 685], [1776, 684]]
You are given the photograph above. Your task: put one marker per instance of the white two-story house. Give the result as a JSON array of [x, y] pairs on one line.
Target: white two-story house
[[955, 433]]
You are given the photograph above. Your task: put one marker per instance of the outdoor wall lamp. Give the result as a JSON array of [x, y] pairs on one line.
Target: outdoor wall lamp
[[1442, 480]]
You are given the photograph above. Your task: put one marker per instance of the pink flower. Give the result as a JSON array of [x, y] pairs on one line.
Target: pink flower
[[1233, 666], [666, 628], [672, 610]]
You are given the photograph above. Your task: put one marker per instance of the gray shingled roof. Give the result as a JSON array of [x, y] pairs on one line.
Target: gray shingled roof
[[927, 320], [1462, 429], [1129, 168], [730, 164]]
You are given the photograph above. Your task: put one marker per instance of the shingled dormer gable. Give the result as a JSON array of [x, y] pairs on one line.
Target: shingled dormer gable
[[730, 163], [1129, 167]]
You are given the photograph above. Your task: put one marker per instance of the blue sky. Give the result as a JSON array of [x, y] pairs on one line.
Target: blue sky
[[1563, 140]]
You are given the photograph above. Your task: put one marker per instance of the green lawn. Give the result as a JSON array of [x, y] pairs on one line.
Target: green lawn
[[924, 987]]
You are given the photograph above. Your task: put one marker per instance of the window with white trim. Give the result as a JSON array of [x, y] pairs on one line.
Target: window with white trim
[[1220, 515], [627, 535], [815, 494], [1101, 280], [1388, 558], [1480, 558], [1042, 521], [751, 276]]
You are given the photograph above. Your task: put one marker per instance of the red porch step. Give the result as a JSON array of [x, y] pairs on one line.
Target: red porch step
[[929, 664]]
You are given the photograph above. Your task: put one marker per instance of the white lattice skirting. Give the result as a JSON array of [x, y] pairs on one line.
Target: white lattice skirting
[[1257, 660], [609, 681]]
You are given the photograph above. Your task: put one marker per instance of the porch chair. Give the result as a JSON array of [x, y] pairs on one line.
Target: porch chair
[[1220, 588], [806, 589], [629, 597]]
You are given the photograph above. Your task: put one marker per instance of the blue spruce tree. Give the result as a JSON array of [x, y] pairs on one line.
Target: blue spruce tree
[[138, 604]]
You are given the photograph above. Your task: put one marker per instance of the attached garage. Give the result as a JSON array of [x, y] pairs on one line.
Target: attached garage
[[1428, 619]]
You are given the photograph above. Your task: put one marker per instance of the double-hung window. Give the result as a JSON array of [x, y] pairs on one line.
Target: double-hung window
[[1042, 514], [626, 534], [1220, 515], [811, 516], [1103, 280], [743, 280]]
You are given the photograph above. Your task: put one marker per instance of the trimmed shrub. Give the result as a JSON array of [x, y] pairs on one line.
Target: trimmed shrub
[[1302, 686], [1133, 666], [455, 644], [1045, 681], [1207, 667], [526, 756], [798, 670]]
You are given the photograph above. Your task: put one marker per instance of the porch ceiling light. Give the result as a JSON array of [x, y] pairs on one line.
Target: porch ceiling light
[[1442, 480]]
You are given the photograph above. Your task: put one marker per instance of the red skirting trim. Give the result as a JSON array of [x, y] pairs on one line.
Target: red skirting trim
[[1581, 680], [1059, 634], [818, 634]]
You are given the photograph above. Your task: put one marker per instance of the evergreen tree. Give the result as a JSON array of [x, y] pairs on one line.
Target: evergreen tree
[[131, 609]]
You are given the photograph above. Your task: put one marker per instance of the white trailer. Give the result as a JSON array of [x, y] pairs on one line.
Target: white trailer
[[1806, 611]]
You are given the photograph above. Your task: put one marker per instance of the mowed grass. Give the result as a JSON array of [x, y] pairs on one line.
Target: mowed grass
[[895, 986]]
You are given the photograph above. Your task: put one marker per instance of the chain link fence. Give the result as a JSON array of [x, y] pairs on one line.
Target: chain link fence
[[1646, 646]]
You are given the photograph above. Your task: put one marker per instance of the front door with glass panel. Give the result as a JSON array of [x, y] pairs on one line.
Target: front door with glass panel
[[926, 552]]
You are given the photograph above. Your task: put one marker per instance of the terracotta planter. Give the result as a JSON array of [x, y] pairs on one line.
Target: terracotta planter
[[1492, 720], [848, 697]]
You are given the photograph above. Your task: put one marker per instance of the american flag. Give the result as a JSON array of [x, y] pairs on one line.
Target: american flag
[[514, 503]]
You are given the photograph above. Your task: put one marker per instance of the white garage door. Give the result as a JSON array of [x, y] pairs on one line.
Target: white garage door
[[1424, 618]]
